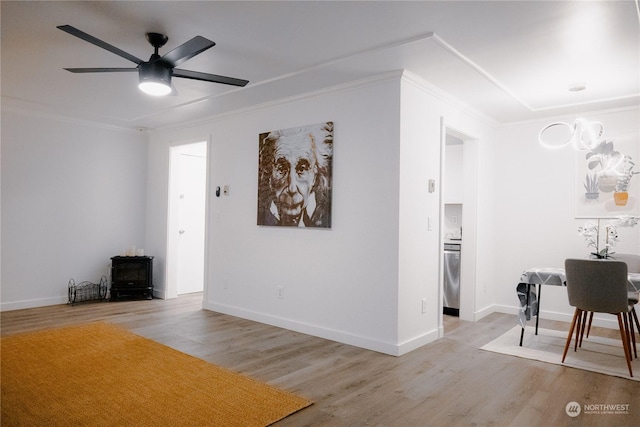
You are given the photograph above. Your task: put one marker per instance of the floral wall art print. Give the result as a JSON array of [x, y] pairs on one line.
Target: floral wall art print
[[608, 178], [295, 176]]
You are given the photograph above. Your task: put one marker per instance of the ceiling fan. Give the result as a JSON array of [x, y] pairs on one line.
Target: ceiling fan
[[155, 74]]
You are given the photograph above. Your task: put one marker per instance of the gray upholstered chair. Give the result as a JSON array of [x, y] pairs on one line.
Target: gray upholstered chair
[[632, 260], [601, 287], [633, 266]]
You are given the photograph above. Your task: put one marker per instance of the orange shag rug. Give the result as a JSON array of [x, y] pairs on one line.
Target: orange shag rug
[[102, 375]]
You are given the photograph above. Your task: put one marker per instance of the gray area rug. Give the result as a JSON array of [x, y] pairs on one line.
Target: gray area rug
[[597, 354]]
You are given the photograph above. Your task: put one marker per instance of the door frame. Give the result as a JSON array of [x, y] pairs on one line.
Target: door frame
[[468, 256], [172, 237]]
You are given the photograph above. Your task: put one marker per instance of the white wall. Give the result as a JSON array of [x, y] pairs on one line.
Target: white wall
[[72, 197], [339, 283], [418, 251], [535, 222]]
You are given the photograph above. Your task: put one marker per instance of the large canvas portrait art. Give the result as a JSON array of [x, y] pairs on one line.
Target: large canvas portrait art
[[295, 176]]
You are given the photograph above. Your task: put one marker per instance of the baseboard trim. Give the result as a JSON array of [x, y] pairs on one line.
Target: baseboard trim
[[321, 332], [33, 303], [483, 313]]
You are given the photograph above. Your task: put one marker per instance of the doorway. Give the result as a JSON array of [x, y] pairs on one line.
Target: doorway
[[458, 213], [186, 224]]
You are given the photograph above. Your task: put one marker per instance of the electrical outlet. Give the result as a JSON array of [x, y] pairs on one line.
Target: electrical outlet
[[280, 292], [454, 220], [424, 305]]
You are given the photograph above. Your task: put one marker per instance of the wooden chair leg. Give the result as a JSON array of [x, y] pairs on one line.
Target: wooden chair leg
[[624, 335], [585, 315], [635, 317], [576, 314], [578, 330], [590, 321], [632, 333]]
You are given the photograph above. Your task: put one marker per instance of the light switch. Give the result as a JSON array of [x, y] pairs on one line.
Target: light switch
[[432, 185]]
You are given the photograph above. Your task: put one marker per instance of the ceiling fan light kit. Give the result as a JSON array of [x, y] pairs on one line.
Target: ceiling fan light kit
[[155, 74], [155, 78]]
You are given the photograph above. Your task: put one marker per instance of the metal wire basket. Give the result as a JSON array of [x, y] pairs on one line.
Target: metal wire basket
[[87, 291]]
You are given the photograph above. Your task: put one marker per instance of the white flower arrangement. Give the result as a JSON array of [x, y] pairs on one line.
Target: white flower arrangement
[[591, 233], [625, 221]]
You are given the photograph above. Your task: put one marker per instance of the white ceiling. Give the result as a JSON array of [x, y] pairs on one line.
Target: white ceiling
[[511, 60]]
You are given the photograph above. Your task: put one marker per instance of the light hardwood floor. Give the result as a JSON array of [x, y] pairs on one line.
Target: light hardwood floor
[[449, 382]]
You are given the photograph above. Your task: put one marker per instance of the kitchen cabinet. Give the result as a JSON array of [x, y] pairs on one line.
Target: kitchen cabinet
[[453, 174]]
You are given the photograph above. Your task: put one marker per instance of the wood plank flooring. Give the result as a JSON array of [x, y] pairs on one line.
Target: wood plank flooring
[[449, 382]]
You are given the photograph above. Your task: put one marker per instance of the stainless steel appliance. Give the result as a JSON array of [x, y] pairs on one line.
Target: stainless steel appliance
[[452, 279]]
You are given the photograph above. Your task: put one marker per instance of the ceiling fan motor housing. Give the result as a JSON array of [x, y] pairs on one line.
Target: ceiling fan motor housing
[[155, 71]]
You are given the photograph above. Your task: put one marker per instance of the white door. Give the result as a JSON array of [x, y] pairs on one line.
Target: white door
[[192, 163]]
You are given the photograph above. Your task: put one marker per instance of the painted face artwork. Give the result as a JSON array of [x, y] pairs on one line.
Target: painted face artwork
[[294, 174]]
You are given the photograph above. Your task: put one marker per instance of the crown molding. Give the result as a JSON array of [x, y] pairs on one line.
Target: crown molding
[[539, 120], [43, 111], [447, 98], [339, 88]]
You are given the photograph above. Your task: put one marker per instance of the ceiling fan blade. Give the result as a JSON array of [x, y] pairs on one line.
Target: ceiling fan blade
[[89, 38], [187, 50], [196, 75], [100, 70]]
